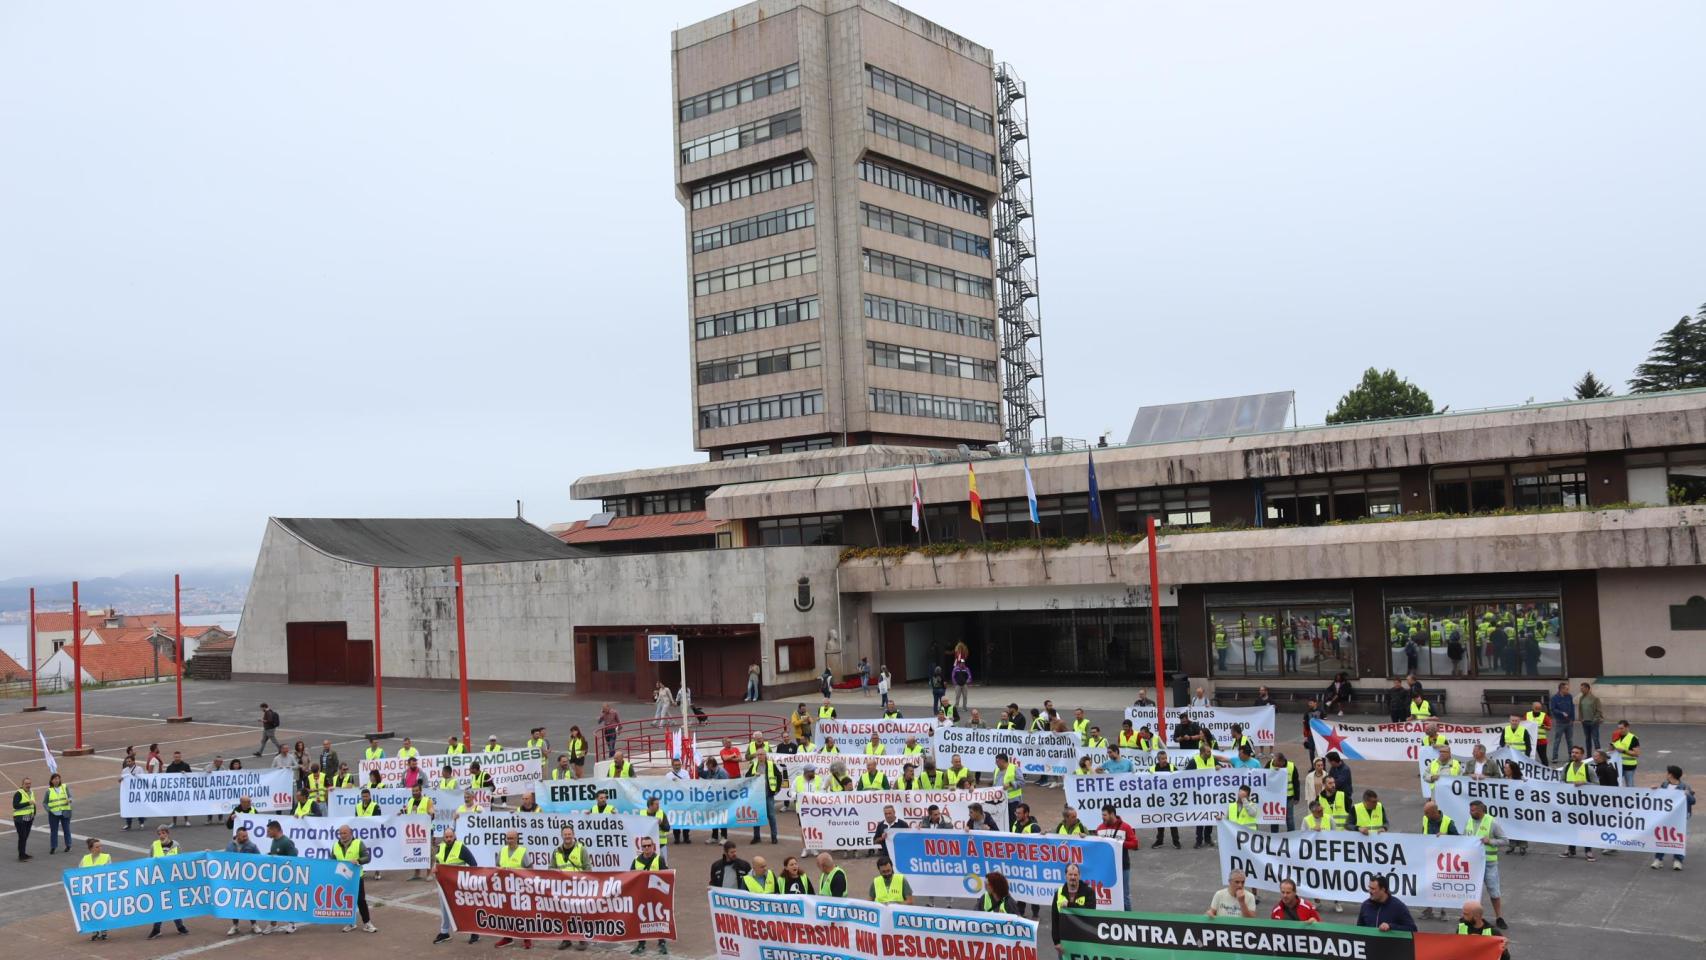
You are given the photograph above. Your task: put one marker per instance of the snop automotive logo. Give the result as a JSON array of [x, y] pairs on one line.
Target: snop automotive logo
[[1669, 838], [1451, 866]]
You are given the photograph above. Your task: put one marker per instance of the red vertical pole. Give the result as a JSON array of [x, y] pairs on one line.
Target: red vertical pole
[[178, 635], [378, 665], [34, 663], [462, 656], [77, 663], [1155, 636]]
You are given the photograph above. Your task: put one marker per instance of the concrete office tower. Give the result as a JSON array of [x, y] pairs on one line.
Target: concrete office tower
[[837, 160]]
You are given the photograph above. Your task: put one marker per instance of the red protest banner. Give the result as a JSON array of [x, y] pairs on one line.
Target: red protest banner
[[554, 905]]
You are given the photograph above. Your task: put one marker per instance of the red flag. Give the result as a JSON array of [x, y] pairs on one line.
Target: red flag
[[976, 501]]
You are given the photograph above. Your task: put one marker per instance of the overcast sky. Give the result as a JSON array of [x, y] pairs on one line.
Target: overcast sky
[[400, 259]]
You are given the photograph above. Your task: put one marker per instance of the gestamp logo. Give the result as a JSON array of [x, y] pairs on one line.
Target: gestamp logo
[[1451, 866], [1668, 838]]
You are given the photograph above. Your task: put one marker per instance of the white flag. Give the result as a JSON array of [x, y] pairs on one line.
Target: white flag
[[52, 764]]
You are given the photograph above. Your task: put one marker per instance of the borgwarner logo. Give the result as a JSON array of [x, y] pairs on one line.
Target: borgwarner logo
[[1669, 838], [1451, 866]]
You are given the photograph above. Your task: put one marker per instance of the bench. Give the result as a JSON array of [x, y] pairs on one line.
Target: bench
[[1510, 697], [1296, 699]]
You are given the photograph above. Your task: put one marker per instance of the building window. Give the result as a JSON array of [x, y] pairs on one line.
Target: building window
[[824, 529], [795, 653], [737, 138], [925, 231], [740, 275], [905, 404], [1554, 484], [930, 361], [1478, 489], [928, 318], [884, 125], [942, 106], [781, 407], [810, 443], [742, 91], [744, 453], [1171, 507], [752, 228], [1477, 638], [615, 505], [1057, 516], [748, 184], [923, 188], [941, 525], [1674, 477], [1308, 640], [613, 653], [915, 271], [782, 359], [756, 318], [1100, 645], [675, 501], [1312, 501]]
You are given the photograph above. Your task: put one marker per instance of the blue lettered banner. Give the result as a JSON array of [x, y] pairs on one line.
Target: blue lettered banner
[[209, 793], [231, 886], [941, 863], [688, 804]]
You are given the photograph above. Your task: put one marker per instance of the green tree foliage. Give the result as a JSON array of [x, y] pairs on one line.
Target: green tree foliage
[[1590, 387], [1382, 396], [1677, 361]]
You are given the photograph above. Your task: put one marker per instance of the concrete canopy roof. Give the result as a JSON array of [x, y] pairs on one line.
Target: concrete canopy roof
[[428, 542]]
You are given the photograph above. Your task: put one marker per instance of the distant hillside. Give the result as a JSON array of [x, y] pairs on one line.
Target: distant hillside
[[213, 590]]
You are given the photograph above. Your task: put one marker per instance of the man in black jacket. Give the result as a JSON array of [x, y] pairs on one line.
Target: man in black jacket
[[728, 872], [450, 851]]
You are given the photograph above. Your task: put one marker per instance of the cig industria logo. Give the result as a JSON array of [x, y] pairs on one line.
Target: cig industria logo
[[1451, 866]]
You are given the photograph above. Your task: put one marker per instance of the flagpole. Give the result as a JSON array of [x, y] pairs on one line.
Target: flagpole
[[1036, 521], [924, 524], [876, 530], [976, 503], [987, 563], [1101, 517]]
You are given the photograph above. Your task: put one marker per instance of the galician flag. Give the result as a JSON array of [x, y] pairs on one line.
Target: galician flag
[[976, 501], [1031, 493]]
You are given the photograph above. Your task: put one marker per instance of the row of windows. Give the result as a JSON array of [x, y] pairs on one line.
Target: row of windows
[[930, 361], [734, 138], [928, 318], [751, 228], [914, 271], [905, 404], [741, 91], [884, 125], [778, 314], [1317, 500], [747, 184], [923, 188], [740, 275], [936, 103], [675, 501], [782, 359], [941, 235], [800, 531], [1282, 641], [1495, 486], [759, 409], [788, 446], [1468, 638]]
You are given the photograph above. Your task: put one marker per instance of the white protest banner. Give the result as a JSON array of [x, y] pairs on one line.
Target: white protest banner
[[942, 863], [609, 839], [505, 767], [1141, 760], [1258, 722], [852, 735], [1423, 871], [753, 926], [342, 803], [848, 820], [1048, 754], [213, 792], [1398, 741], [1531, 769], [688, 804], [1584, 815], [1179, 799], [394, 843]]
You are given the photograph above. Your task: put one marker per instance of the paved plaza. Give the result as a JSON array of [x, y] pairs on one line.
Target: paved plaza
[[1615, 907]]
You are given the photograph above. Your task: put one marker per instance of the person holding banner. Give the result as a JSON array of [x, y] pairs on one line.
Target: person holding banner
[[1577, 771], [164, 846], [1482, 826], [831, 879], [1673, 781], [760, 879], [794, 879], [1233, 900], [1116, 828], [242, 844], [449, 851], [649, 859], [352, 851], [888, 886], [1317, 820], [996, 896], [1293, 907], [1074, 894], [765, 768]]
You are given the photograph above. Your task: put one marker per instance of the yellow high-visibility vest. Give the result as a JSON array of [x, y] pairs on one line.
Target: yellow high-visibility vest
[[512, 859]]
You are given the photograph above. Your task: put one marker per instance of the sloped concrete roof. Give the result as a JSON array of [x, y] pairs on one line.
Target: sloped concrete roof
[[428, 542]]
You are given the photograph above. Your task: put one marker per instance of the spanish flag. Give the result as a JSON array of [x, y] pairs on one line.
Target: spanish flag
[[976, 501]]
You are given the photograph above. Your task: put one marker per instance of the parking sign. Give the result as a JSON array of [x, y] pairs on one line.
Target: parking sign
[[662, 647]]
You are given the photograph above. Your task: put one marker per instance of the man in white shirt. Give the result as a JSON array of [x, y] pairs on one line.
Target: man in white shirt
[[1233, 900]]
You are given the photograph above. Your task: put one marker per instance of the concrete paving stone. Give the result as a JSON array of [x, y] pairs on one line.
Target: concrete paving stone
[[1613, 907]]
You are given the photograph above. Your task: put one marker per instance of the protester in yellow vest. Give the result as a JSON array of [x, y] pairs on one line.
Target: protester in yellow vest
[[1241, 813], [451, 852], [350, 850], [492, 744], [58, 799], [374, 751], [165, 846], [649, 859], [888, 886], [454, 745]]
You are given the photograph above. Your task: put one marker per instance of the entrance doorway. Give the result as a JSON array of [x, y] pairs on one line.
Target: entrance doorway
[[322, 652]]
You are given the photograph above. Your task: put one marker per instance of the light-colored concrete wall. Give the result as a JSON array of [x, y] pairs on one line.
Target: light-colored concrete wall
[[1634, 613], [520, 617], [756, 469]]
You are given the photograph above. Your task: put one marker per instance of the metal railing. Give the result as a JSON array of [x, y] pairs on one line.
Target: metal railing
[[645, 743], [20, 687]]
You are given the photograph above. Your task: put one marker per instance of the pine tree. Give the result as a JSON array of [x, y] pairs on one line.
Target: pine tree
[[1677, 361], [1589, 387], [1381, 396]]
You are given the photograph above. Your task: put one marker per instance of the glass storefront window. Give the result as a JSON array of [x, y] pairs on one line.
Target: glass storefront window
[[1305, 640], [1494, 638], [1105, 644]]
